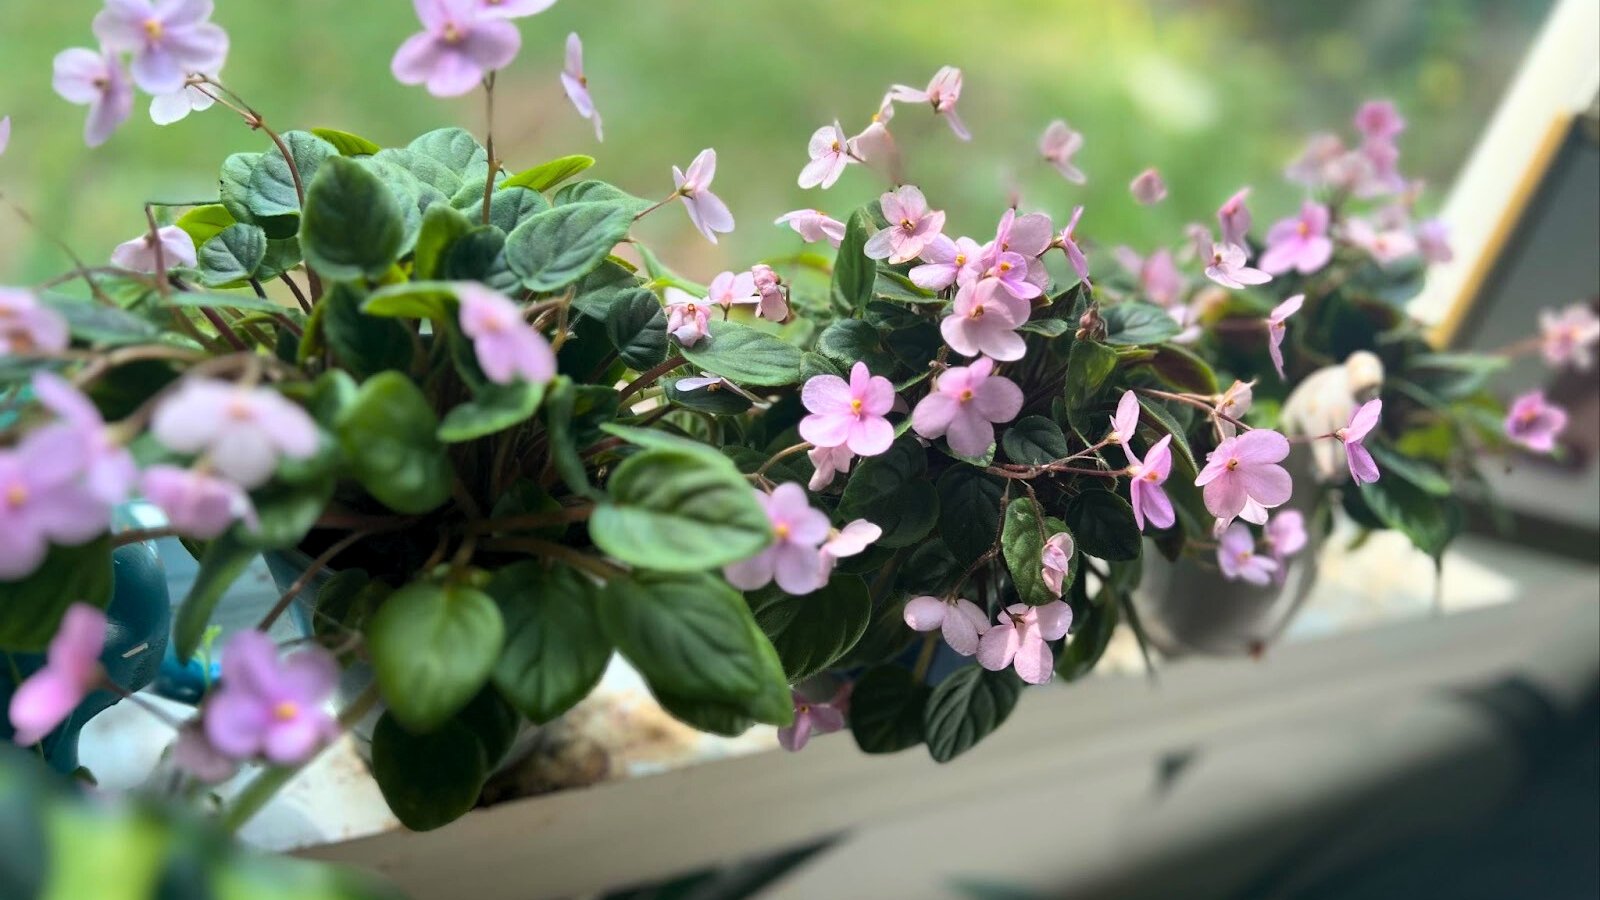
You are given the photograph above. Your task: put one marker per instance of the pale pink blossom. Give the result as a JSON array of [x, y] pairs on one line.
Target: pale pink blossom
[[942, 93], [1126, 420], [1228, 268], [28, 327], [5, 134], [813, 225], [983, 320], [1278, 328], [1567, 337], [1299, 242], [965, 404], [830, 152], [1234, 218], [1233, 404], [458, 47], [1145, 477], [108, 468], [960, 621], [1199, 242], [828, 462], [1362, 467], [96, 80], [71, 670], [1311, 168], [1242, 477], [876, 146], [688, 317], [944, 261], [774, 304], [193, 754], [1535, 423], [1027, 235], [1058, 145], [1386, 247], [851, 540], [197, 505], [1148, 188], [1238, 559], [706, 210], [1069, 245], [1379, 119], [1433, 241], [794, 558], [169, 39], [811, 718], [139, 254], [1159, 278], [849, 413], [703, 381], [44, 500], [730, 289], [911, 226], [1020, 639], [242, 430], [268, 706], [576, 83], [515, 9], [1055, 561], [166, 109], [1285, 535], [507, 347]]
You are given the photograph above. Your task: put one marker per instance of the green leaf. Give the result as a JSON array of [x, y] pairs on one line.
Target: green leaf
[[637, 327], [559, 246], [202, 223], [547, 175], [891, 490], [428, 780], [388, 434], [1430, 522], [345, 603], [441, 227], [815, 631], [1088, 366], [887, 706], [694, 640], [715, 399], [1089, 642], [31, 609], [679, 511], [853, 273], [1050, 328], [965, 708], [492, 409], [608, 285], [601, 192], [1183, 370], [353, 224], [455, 150], [104, 326], [728, 720], [746, 356], [346, 143], [363, 344], [1103, 526], [555, 650], [1421, 475], [1034, 441], [1022, 543], [1169, 424], [432, 649], [285, 512], [969, 511], [225, 560], [849, 341], [413, 300], [480, 256], [1134, 322], [272, 186], [559, 406]]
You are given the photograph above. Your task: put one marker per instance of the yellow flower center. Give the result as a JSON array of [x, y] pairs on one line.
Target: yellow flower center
[[286, 710], [961, 259], [153, 29], [452, 34], [1233, 464], [855, 407], [1303, 228], [908, 225], [1005, 267], [977, 312], [966, 395], [16, 495], [239, 409], [781, 529], [836, 147]]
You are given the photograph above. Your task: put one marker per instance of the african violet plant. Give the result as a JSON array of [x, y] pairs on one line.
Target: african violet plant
[[519, 442]]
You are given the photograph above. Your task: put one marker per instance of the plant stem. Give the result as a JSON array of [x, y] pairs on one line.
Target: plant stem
[[305, 305], [564, 516], [591, 564], [1194, 402], [317, 565], [648, 378], [930, 642], [787, 451], [488, 182], [140, 535]]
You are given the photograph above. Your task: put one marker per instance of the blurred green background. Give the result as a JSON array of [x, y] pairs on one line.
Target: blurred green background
[[1216, 94]]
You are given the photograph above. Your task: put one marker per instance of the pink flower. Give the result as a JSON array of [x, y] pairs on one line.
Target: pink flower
[[458, 46], [851, 540], [1148, 188], [108, 467], [1242, 477], [1145, 478], [1069, 244], [849, 414], [515, 9], [944, 261], [271, 707], [1568, 337], [169, 39], [197, 505], [876, 144], [1236, 400], [703, 380], [5, 134], [983, 320], [1019, 639], [830, 153], [139, 254], [28, 327], [1278, 328], [506, 346], [706, 210], [1535, 423], [576, 84], [43, 499], [1058, 145], [193, 754], [1433, 241], [813, 718], [1126, 420], [942, 93], [774, 305], [964, 404], [1313, 166], [1362, 467], [960, 620], [1386, 247], [814, 225], [688, 317], [1238, 559], [911, 226], [71, 670], [1055, 560], [729, 289], [828, 462], [1029, 236], [1300, 243], [1228, 268], [1285, 535], [1234, 217], [95, 80], [1158, 275], [1379, 119], [166, 109], [795, 557], [243, 430]]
